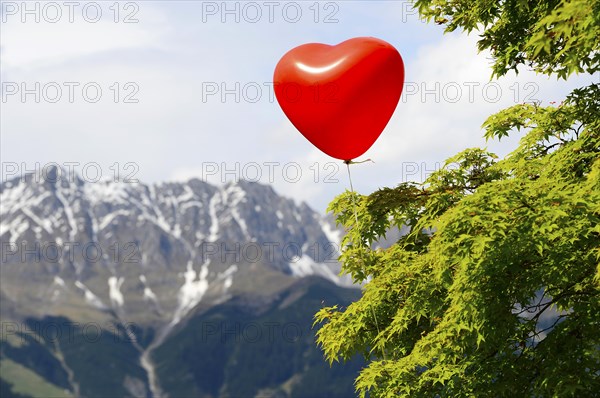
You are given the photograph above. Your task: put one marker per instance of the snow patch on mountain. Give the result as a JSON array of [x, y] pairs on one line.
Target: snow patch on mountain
[[234, 196], [110, 217], [69, 214], [16, 227], [148, 293], [214, 220], [114, 192], [59, 281], [90, 297], [305, 266], [45, 224], [227, 276], [333, 235], [114, 290], [192, 291]]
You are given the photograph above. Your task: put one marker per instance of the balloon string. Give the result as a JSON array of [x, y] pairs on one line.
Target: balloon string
[[348, 163], [352, 191]]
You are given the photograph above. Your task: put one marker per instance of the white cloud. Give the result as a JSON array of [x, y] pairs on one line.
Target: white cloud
[[448, 95], [33, 44]]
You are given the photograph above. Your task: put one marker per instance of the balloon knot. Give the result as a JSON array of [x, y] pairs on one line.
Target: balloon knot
[[350, 161]]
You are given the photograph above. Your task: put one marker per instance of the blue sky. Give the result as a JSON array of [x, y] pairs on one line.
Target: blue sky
[[171, 53]]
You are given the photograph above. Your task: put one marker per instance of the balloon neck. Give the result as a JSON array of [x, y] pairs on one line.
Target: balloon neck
[[349, 161]]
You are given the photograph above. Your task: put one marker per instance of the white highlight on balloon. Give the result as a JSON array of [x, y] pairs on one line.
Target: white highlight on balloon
[[322, 69]]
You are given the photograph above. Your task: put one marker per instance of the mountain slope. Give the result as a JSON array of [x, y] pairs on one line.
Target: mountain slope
[[249, 346], [242, 349]]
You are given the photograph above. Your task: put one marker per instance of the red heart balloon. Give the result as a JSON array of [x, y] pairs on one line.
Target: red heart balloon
[[340, 97]]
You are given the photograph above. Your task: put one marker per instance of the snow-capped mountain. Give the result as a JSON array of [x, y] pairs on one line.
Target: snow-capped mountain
[[123, 247]]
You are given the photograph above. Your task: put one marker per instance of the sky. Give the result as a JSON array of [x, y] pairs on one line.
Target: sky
[[156, 91]]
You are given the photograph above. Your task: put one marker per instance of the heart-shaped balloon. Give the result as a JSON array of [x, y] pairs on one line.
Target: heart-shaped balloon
[[340, 97]]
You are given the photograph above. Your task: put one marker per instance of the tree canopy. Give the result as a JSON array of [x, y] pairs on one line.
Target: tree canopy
[[496, 288], [554, 36]]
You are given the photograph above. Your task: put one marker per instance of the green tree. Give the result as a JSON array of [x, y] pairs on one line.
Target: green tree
[[496, 289]]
